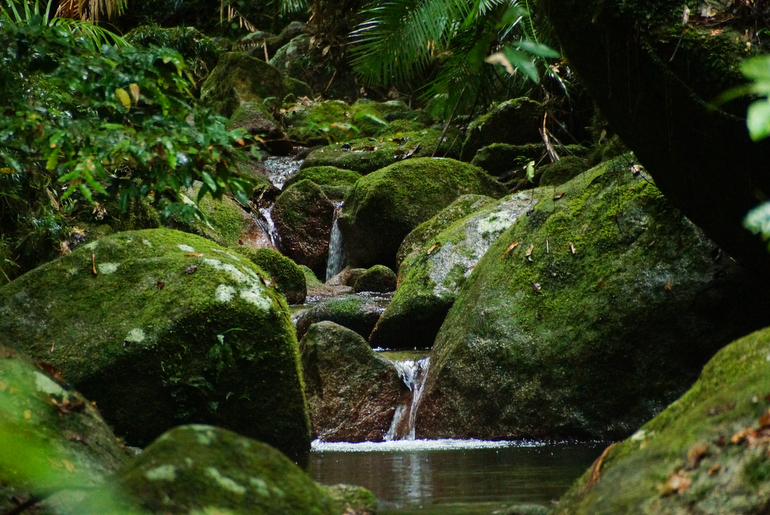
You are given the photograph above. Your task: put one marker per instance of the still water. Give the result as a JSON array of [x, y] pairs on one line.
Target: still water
[[435, 476]]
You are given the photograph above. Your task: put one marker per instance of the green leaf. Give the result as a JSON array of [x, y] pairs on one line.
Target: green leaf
[[53, 160], [757, 68], [209, 181], [523, 63], [538, 49], [531, 171], [758, 119]]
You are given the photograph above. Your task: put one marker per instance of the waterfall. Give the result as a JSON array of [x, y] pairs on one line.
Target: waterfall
[[265, 222], [413, 373], [278, 169], [336, 258]]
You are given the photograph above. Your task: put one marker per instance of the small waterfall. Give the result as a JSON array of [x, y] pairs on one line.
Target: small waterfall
[[413, 373], [336, 258], [265, 222], [279, 169]]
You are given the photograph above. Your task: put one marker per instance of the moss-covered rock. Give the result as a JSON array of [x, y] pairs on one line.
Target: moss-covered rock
[[160, 328], [386, 205], [378, 278], [303, 217], [585, 318], [515, 122], [288, 277], [351, 311], [352, 499], [324, 176], [52, 437], [561, 171], [256, 119], [500, 158], [310, 278], [205, 469], [706, 453], [431, 278], [365, 156], [239, 78], [351, 391]]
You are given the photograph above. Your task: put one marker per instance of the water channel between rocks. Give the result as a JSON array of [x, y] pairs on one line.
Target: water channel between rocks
[[435, 476]]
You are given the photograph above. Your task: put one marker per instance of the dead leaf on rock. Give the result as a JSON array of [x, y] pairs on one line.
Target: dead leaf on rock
[[193, 254], [742, 435], [536, 287], [596, 468], [558, 195], [66, 406], [510, 248], [191, 269], [695, 455], [677, 483], [764, 420], [160, 285], [47, 367], [714, 469]]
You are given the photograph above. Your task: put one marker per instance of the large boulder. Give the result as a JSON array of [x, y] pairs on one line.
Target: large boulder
[[288, 277], [238, 79], [351, 311], [205, 469], [351, 391], [706, 453], [515, 122], [256, 119], [386, 205], [303, 217], [365, 156], [51, 436], [585, 318], [324, 176], [160, 328], [431, 278], [378, 279]]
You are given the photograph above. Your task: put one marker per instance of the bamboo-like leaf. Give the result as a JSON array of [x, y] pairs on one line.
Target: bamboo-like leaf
[[122, 95]]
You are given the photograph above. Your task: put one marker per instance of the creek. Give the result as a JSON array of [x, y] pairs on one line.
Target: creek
[[434, 476]]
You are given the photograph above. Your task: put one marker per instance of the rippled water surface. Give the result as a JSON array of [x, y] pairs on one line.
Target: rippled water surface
[[442, 476]]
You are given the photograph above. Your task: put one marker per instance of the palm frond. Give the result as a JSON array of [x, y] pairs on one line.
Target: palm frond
[[402, 37], [293, 6], [96, 35], [90, 10]]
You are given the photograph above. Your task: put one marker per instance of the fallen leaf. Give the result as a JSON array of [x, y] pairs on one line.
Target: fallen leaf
[[93, 263], [558, 196], [676, 484], [764, 421], [510, 248], [572, 248], [669, 287], [47, 367], [528, 254], [160, 285], [66, 406], [714, 469], [68, 465], [193, 254], [720, 409], [596, 468], [134, 88], [695, 455], [122, 95], [433, 247], [742, 435]]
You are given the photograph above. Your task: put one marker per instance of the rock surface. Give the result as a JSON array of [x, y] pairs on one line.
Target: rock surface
[[160, 328], [51, 436], [288, 277], [351, 311], [586, 318], [352, 392], [706, 453], [303, 216], [386, 205], [378, 279], [515, 122], [431, 277]]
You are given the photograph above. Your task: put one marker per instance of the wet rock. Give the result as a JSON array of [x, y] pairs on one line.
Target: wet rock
[[379, 279], [351, 391], [303, 216], [366, 155], [351, 311], [555, 174], [386, 205], [159, 327], [288, 277], [431, 277], [239, 78], [324, 176], [205, 469], [585, 318], [706, 453], [515, 122], [256, 119], [352, 499], [52, 437]]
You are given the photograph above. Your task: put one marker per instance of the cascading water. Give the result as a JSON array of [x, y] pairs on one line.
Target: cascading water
[[267, 224], [413, 373], [336, 257], [279, 169]]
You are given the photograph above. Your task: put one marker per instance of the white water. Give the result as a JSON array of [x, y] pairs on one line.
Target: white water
[[279, 169], [269, 226], [336, 257], [444, 444], [413, 373]]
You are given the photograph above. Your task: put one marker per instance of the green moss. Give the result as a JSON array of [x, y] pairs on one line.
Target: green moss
[[498, 158], [285, 272], [555, 174], [227, 221], [310, 278], [324, 175], [514, 121], [351, 498], [182, 323], [356, 313], [378, 278]]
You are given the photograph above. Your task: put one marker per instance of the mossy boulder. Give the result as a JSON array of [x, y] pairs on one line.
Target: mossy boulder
[[515, 122], [430, 279], [352, 499], [555, 174], [585, 318], [351, 391], [379, 279], [365, 156], [356, 313], [310, 278], [502, 158], [706, 453], [324, 176], [52, 437], [303, 217], [239, 78], [160, 328], [386, 205], [288, 277], [256, 119], [206, 469]]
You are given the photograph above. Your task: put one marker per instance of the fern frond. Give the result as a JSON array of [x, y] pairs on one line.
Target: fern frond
[[94, 34], [402, 37], [293, 6]]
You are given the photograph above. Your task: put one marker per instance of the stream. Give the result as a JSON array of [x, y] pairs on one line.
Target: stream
[[435, 476]]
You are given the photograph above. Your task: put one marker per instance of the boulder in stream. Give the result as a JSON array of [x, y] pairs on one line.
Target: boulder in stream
[[431, 276], [160, 327], [378, 279], [587, 317], [386, 205], [351, 391], [708, 452], [352, 311], [303, 217]]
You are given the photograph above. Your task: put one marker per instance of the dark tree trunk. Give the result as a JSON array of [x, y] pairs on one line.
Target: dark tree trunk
[[701, 157]]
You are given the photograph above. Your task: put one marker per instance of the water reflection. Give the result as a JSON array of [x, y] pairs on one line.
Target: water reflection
[[422, 473]]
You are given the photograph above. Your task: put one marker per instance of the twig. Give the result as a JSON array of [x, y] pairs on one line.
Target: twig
[[448, 121], [93, 262]]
